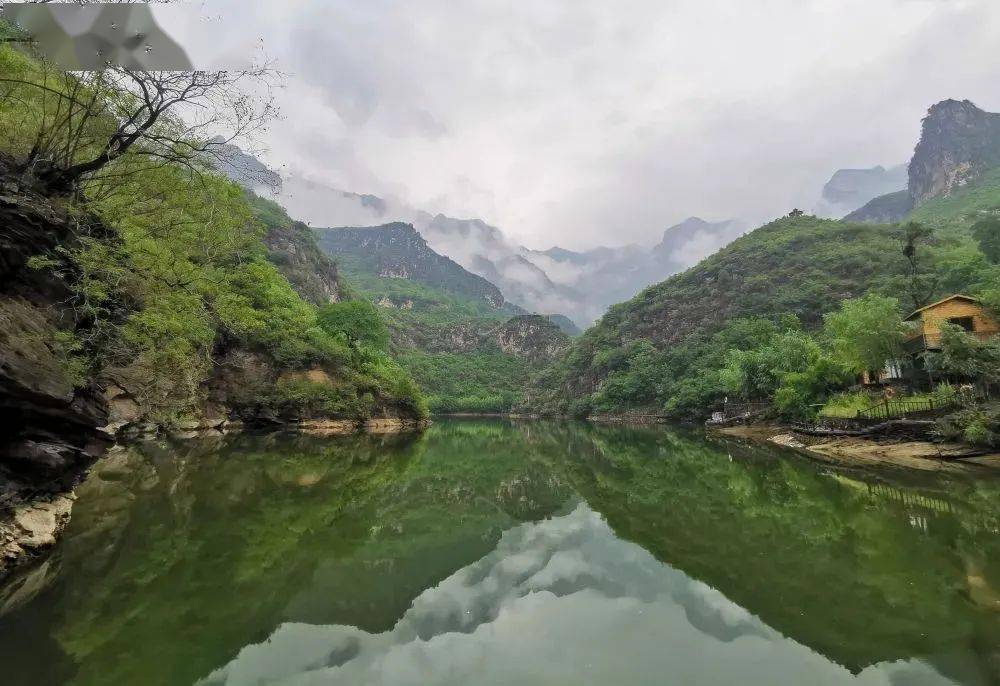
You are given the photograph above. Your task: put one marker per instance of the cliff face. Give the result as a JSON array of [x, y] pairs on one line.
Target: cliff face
[[531, 337], [50, 413], [397, 251], [958, 142], [294, 250]]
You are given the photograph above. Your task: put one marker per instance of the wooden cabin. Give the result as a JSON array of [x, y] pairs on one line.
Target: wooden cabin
[[963, 310]]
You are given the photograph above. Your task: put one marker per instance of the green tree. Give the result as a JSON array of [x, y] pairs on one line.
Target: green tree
[[922, 280], [358, 321], [965, 356], [987, 233], [867, 332], [792, 368]]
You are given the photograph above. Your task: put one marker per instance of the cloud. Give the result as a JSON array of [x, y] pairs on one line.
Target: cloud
[[559, 601], [585, 123]]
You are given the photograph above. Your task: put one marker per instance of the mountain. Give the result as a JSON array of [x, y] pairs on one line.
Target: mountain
[[850, 189], [468, 348], [884, 209], [242, 168], [565, 324], [397, 251], [958, 144], [485, 250], [693, 239], [611, 275], [579, 285], [663, 350]]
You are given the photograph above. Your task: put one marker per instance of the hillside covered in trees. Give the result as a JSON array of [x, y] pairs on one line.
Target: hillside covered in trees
[[142, 291], [776, 314], [465, 346]]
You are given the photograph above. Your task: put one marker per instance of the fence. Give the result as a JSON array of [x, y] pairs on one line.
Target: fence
[[897, 409]]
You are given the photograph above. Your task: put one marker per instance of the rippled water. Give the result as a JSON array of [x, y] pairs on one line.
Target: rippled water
[[486, 552]]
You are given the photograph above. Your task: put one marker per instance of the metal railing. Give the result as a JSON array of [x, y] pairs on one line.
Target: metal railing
[[898, 409]]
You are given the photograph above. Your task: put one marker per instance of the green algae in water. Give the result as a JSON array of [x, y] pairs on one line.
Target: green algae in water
[[490, 552]]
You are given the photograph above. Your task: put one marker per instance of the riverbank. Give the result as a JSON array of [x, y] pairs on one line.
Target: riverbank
[[856, 451], [32, 523]]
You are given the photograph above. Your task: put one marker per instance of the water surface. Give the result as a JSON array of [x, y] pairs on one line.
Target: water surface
[[488, 552]]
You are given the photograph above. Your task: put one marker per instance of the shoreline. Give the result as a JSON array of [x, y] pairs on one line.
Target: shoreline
[[33, 526], [859, 451]]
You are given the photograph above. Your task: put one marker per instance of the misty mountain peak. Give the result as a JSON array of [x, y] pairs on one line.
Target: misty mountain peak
[[676, 236], [849, 189], [398, 251]]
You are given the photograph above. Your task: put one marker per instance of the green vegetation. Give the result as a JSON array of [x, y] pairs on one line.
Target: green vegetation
[[169, 266], [987, 233], [356, 322], [964, 206], [847, 404], [789, 313], [480, 381], [442, 335], [867, 333], [398, 249]]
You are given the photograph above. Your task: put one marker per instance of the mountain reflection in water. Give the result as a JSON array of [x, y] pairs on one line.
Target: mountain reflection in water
[[559, 601], [489, 552]]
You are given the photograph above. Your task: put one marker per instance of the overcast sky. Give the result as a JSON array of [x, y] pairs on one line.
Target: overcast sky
[[590, 122]]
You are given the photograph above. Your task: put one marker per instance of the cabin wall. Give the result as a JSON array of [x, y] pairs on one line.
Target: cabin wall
[[932, 319]]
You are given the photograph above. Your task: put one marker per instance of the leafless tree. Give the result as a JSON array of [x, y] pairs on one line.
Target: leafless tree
[[89, 121]]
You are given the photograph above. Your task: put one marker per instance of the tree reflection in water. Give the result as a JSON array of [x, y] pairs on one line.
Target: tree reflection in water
[[510, 549]]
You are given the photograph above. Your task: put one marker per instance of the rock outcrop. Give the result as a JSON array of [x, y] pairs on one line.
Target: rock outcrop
[[958, 142], [50, 410]]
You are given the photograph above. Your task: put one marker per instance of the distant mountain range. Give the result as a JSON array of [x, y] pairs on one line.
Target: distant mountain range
[[661, 352], [580, 285]]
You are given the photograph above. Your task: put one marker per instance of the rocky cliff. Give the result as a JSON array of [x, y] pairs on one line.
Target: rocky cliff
[[50, 409], [533, 337], [294, 250], [66, 395], [958, 142]]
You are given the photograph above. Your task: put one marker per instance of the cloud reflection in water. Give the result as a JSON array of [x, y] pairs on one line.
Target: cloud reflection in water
[[562, 601]]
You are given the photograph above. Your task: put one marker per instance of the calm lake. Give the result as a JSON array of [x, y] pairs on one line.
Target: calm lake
[[490, 552]]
